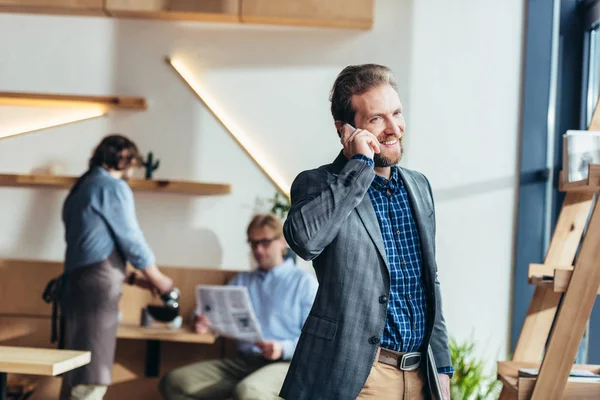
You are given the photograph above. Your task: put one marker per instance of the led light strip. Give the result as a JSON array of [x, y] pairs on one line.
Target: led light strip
[[229, 124], [75, 116]]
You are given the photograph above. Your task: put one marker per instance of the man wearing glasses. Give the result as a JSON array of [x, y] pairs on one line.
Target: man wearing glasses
[[282, 296]]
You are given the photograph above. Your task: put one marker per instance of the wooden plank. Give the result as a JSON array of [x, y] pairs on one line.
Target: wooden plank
[[594, 176], [66, 100], [22, 283], [30, 277], [562, 278], [546, 269], [189, 10], [572, 318], [73, 7], [542, 309], [353, 14], [137, 185], [34, 361], [183, 335]]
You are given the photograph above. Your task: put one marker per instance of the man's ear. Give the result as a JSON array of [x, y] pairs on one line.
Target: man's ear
[[339, 126]]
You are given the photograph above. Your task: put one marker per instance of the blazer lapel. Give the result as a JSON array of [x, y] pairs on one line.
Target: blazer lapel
[[421, 212], [365, 211], [367, 215]]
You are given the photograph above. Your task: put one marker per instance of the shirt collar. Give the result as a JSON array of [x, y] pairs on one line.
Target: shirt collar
[[383, 184], [275, 271]]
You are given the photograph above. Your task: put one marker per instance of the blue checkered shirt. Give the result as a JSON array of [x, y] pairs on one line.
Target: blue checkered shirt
[[405, 323]]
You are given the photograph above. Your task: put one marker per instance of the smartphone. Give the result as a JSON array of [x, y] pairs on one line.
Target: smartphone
[[352, 129]]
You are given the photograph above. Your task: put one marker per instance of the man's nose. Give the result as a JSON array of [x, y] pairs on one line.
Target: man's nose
[[393, 128]]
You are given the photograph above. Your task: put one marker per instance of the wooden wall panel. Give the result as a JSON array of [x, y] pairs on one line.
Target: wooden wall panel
[[75, 7], [356, 14], [198, 10]]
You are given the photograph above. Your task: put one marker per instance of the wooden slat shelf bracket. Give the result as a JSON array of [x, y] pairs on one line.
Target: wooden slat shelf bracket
[[141, 185]]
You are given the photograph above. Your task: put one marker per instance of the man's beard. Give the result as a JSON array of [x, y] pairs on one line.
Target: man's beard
[[381, 161]]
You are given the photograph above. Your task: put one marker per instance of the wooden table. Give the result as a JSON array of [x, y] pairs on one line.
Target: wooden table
[[155, 335], [33, 361]]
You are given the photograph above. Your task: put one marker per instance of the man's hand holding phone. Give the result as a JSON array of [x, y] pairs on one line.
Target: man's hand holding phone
[[358, 141]]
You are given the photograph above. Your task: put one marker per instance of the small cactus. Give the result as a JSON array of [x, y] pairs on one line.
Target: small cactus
[[150, 165]]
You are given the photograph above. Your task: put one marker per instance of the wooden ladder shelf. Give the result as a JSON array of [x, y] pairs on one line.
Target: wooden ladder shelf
[[563, 322]]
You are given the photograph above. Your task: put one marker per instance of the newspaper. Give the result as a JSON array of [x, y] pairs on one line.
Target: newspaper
[[229, 311]]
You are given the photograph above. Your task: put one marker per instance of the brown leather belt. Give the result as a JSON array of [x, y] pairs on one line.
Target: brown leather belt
[[403, 361]]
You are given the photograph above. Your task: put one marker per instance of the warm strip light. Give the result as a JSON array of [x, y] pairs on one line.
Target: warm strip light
[[229, 124], [71, 117]]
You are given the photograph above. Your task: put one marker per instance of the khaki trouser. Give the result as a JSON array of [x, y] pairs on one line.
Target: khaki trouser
[[243, 378], [82, 392], [386, 382]]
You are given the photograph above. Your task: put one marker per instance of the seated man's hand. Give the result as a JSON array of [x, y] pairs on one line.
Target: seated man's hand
[[271, 350], [201, 324]]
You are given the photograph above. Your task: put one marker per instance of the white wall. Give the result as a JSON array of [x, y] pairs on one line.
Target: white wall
[[458, 69]]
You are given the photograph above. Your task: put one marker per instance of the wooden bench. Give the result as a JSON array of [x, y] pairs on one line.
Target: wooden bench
[[25, 321]]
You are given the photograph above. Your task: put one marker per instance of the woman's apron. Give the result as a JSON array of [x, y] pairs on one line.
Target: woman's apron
[[90, 308]]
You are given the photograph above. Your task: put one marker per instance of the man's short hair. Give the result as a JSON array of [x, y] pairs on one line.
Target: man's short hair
[[266, 220], [356, 80]]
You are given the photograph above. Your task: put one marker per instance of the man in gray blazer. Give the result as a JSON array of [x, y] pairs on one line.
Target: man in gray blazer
[[369, 228]]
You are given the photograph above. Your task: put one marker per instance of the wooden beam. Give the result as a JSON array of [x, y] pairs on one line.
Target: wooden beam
[[572, 318], [63, 100], [543, 306], [141, 185], [562, 279]]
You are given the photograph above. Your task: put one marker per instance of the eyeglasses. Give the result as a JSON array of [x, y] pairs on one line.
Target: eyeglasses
[[262, 242]]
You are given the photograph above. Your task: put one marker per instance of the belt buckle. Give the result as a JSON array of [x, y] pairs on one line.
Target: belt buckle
[[409, 356]]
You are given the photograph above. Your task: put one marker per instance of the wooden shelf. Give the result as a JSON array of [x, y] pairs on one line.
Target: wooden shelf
[[522, 388], [182, 335], [141, 185], [591, 184], [62, 100]]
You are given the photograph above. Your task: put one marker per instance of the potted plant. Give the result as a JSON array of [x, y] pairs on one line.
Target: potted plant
[[470, 381]]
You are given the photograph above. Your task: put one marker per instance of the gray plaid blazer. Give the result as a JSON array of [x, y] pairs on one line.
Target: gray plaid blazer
[[332, 223]]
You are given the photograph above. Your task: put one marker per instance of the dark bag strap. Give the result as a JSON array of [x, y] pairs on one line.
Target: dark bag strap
[[52, 294]]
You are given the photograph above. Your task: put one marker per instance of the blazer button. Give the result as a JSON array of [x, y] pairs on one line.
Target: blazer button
[[374, 340], [347, 182], [383, 299]]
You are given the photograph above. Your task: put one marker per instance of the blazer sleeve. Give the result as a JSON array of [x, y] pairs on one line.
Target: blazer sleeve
[[439, 336], [320, 204]]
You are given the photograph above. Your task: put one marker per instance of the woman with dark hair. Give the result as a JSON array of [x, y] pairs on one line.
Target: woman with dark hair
[[102, 233]]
